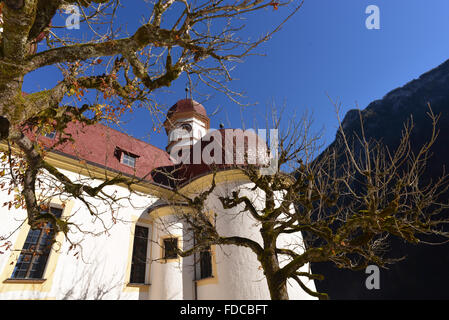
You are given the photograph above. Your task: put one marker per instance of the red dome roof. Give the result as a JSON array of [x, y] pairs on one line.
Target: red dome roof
[[242, 146], [186, 105]]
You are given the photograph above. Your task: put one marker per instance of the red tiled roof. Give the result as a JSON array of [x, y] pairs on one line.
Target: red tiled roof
[[102, 146]]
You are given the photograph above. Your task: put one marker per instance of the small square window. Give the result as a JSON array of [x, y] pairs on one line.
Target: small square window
[[129, 160], [171, 248]]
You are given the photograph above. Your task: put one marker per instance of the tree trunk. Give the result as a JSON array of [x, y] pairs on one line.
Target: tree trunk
[[276, 285], [278, 291], [269, 259]]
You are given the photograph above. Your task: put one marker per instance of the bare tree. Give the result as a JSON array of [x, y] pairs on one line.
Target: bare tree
[[346, 203], [119, 70]]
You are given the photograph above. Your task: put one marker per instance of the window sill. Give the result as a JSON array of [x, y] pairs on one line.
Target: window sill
[[138, 284], [170, 260], [205, 281], [25, 281], [205, 278]]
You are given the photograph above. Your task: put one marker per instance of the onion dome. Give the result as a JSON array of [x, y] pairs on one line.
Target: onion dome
[[187, 111], [186, 106]]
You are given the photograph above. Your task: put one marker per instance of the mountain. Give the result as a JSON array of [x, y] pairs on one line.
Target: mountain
[[424, 274]]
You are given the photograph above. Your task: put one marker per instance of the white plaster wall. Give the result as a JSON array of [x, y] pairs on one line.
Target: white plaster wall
[[240, 275], [295, 242], [166, 277], [188, 267], [239, 272]]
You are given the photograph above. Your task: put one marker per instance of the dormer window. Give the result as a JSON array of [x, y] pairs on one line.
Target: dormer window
[[50, 135], [129, 159], [125, 157]]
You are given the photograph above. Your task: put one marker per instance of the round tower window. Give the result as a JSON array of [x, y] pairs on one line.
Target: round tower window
[[187, 127]]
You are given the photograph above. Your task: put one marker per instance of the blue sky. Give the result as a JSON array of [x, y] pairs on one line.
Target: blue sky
[[324, 49]]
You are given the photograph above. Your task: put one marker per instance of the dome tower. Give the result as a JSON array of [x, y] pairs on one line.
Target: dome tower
[[187, 122]]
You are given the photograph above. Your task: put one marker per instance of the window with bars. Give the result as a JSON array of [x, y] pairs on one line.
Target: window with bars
[[36, 249], [139, 258], [170, 248]]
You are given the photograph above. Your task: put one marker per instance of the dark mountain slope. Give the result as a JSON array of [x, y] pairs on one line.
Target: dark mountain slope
[[425, 272]]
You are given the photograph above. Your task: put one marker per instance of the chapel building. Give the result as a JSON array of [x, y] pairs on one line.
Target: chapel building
[[127, 249]]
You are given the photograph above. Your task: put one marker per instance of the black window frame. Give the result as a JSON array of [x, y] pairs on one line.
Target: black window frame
[[35, 252], [172, 252], [205, 264], [138, 273]]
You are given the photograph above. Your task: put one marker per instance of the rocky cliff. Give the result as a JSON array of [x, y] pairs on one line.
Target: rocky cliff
[[424, 274]]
